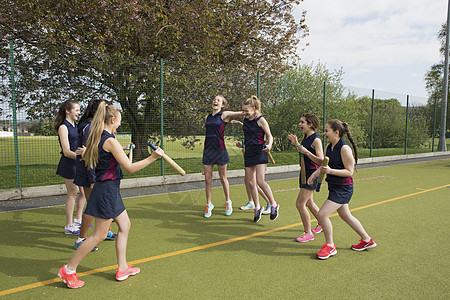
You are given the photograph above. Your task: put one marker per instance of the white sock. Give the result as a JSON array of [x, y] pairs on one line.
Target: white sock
[[368, 240], [80, 239], [331, 245], [68, 271]]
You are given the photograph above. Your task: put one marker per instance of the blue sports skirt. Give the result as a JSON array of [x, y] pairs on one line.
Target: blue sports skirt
[[66, 168], [254, 155], [307, 186], [340, 193], [215, 156], [105, 201], [83, 176]]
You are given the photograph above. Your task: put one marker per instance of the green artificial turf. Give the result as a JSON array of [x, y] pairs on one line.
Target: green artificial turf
[[403, 207]]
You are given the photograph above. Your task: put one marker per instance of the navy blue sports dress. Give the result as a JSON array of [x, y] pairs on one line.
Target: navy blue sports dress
[[83, 175], [340, 188], [66, 166], [105, 201], [215, 152], [254, 143], [310, 166]]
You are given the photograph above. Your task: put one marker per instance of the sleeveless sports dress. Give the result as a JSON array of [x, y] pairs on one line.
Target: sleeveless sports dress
[[254, 143], [310, 166], [340, 188], [83, 176], [105, 201], [66, 166], [215, 152]]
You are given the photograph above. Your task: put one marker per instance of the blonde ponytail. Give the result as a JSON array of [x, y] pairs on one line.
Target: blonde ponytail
[[254, 102], [102, 116]]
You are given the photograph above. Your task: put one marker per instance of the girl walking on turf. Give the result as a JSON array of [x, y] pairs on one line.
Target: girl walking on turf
[[215, 152], [340, 186], [67, 130], [84, 177], [311, 148], [255, 156], [105, 154]]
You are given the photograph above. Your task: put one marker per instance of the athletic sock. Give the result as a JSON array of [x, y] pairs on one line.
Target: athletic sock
[[330, 245], [68, 271], [79, 240], [368, 240]]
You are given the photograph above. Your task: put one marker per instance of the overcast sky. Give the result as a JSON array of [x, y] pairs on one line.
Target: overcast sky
[[386, 45]]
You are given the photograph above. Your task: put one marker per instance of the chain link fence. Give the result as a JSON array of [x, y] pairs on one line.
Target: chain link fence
[[166, 102]]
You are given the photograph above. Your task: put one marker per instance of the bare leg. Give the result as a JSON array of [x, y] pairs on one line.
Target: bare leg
[[81, 201], [70, 201], [87, 219], [262, 194], [346, 215], [303, 197], [261, 181], [313, 208], [325, 211], [100, 232], [208, 171], [124, 224], [223, 178], [250, 185]]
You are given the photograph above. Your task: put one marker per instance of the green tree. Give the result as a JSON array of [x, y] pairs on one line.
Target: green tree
[[434, 81], [299, 91], [111, 49]]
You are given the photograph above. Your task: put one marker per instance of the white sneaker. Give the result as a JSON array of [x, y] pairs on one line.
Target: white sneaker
[[267, 210], [77, 222], [208, 210], [248, 205], [73, 230]]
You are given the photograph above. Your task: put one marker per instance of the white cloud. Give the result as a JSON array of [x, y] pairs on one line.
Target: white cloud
[[367, 37]]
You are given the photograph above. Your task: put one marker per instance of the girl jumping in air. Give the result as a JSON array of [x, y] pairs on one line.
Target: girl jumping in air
[[105, 154], [255, 156], [215, 152], [311, 148], [340, 186]]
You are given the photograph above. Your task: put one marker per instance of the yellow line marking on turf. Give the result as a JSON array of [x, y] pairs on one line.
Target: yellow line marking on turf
[[165, 255]]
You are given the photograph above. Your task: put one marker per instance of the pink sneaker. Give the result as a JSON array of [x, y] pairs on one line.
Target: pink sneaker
[[71, 280], [122, 275], [305, 237], [326, 251], [317, 230], [364, 245]]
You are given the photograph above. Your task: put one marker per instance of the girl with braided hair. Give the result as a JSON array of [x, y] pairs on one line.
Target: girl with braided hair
[[340, 186]]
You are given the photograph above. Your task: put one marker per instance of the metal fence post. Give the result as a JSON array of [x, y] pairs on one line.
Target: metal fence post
[[434, 125], [324, 113], [13, 96], [371, 122], [161, 99], [406, 126]]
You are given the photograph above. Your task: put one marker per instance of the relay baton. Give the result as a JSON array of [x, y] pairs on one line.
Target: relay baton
[[169, 161], [322, 175], [269, 155]]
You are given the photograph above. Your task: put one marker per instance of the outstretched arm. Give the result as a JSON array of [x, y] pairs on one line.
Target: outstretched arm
[[113, 146]]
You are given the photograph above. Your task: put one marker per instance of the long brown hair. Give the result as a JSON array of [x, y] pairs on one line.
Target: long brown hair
[[61, 114], [102, 116], [254, 102], [312, 120], [344, 129]]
